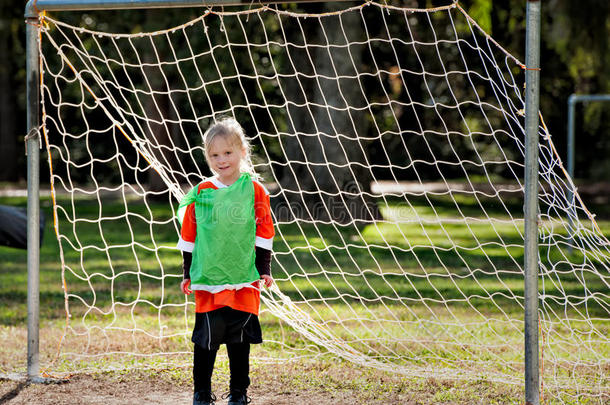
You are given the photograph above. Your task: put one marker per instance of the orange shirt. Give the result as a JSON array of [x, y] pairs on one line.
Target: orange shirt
[[244, 299]]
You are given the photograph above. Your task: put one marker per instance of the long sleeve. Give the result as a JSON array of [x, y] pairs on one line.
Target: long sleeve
[[187, 259], [263, 261]]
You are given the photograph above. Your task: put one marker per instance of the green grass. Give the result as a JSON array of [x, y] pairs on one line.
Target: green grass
[[440, 293]]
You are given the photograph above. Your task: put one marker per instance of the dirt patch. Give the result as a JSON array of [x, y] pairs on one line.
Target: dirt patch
[[321, 383], [88, 389]]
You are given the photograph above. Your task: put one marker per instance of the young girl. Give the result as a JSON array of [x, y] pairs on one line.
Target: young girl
[[226, 239]]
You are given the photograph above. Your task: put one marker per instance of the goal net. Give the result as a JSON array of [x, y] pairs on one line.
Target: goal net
[[392, 143]]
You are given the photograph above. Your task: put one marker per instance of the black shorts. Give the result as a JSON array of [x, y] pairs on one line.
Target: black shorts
[[225, 325]]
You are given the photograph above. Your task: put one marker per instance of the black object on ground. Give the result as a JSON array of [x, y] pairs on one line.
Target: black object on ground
[[14, 227]]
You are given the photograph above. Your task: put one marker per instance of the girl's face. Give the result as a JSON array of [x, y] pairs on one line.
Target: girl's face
[[224, 158]]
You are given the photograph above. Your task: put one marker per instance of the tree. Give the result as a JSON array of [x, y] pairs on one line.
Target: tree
[[325, 178], [574, 58], [12, 91]]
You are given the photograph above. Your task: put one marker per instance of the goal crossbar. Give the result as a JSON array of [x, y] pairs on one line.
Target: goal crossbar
[[34, 7]]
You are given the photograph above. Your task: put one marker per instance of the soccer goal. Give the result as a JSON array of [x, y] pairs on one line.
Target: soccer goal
[[392, 141]]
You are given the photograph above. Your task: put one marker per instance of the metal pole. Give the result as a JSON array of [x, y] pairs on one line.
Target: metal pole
[[33, 173], [34, 6], [532, 81], [572, 100]]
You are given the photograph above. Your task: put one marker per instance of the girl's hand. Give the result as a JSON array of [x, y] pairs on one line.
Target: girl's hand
[[267, 279], [184, 286]]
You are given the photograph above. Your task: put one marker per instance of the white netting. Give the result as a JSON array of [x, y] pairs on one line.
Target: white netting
[[391, 140]]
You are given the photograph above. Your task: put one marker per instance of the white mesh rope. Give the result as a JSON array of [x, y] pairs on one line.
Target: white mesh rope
[[392, 143]]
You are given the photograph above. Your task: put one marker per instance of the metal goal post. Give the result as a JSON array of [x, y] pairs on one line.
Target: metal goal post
[[532, 78]]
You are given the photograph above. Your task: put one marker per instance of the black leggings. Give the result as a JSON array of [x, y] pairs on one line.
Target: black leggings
[[239, 365]]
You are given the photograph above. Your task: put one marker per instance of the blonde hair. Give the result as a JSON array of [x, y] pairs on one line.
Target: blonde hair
[[229, 129]]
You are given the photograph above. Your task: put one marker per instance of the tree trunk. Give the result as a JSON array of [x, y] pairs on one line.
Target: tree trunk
[[157, 111], [8, 137], [325, 179]]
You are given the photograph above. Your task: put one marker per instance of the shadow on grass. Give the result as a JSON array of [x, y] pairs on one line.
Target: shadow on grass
[[476, 266]]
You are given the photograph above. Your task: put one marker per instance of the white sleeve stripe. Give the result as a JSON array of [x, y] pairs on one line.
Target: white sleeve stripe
[[264, 243], [185, 246]]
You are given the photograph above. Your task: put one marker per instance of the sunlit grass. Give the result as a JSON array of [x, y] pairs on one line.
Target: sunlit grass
[[445, 292]]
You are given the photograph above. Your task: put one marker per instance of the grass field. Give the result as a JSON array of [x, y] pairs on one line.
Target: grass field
[[373, 283]]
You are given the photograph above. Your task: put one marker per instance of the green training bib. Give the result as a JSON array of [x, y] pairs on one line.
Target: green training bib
[[224, 253]]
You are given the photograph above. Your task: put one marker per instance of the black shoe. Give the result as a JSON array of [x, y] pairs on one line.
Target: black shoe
[[238, 398], [203, 398]]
